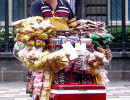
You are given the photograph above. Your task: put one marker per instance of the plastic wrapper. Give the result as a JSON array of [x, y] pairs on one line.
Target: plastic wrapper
[[30, 43], [31, 57], [81, 64], [101, 39], [102, 77], [58, 60], [97, 60], [18, 47], [30, 83], [46, 86], [38, 82], [40, 43]]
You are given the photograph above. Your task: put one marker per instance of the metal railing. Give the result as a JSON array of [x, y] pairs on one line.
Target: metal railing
[[116, 14]]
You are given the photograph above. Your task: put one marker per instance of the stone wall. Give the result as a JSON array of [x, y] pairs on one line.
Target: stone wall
[[119, 68], [11, 69]]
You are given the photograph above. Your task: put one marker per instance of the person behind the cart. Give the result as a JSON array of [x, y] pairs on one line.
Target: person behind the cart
[[58, 11]]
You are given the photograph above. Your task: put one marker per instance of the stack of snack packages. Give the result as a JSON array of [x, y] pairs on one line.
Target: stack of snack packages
[[100, 54], [30, 49]]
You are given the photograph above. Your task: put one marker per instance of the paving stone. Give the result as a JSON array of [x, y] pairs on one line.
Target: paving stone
[[4, 89], [2, 92], [9, 95], [112, 99], [12, 92], [22, 99], [14, 89], [22, 90], [116, 91], [22, 93], [120, 99], [21, 96], [120, 94], [124, 97], [6, 98], [112, 96]]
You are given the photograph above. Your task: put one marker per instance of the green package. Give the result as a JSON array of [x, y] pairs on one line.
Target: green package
[[106, 41], [96, 43], [95, 37], [105, 36]]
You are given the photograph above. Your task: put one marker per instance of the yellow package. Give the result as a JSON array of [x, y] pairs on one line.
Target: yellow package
[[43, 36], [25, 38], [28, 30], [38, 63], [40, 43], [17, 37], [30, 43]]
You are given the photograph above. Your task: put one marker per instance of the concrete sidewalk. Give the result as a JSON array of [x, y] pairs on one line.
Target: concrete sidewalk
[[17, 91], [118, 91]]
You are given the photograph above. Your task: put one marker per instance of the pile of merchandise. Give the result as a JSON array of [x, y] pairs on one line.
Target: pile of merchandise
[[30, 49], [46, 56], [33, 31], [87, 26], [101, 54]]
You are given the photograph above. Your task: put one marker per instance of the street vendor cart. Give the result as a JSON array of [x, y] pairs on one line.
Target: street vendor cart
[[65, 66]]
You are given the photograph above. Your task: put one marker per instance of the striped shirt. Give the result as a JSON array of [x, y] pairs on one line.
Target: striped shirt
[[63, 16]]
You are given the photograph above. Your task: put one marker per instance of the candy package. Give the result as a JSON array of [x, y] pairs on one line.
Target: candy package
[[81, 64]]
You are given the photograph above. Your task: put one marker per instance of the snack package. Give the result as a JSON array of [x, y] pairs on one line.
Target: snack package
[[30, 43], [81, 64], [46, 87], [40, 42], [38, 82], [102, 77], [18, 47], [30, 83], [97, 60]]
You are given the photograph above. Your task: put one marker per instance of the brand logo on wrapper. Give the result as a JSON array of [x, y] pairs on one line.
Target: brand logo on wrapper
[[19, 45]]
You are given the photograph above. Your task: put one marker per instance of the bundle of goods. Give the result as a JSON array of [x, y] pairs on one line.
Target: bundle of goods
[[94, 30], [42, 84], [87, 26], [101, 39], [101, 54], [42, 64], [34, 58], [33, 31]]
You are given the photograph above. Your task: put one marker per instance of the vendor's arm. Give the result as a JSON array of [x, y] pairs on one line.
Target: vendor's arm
[[72, 19], [36, 8]]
